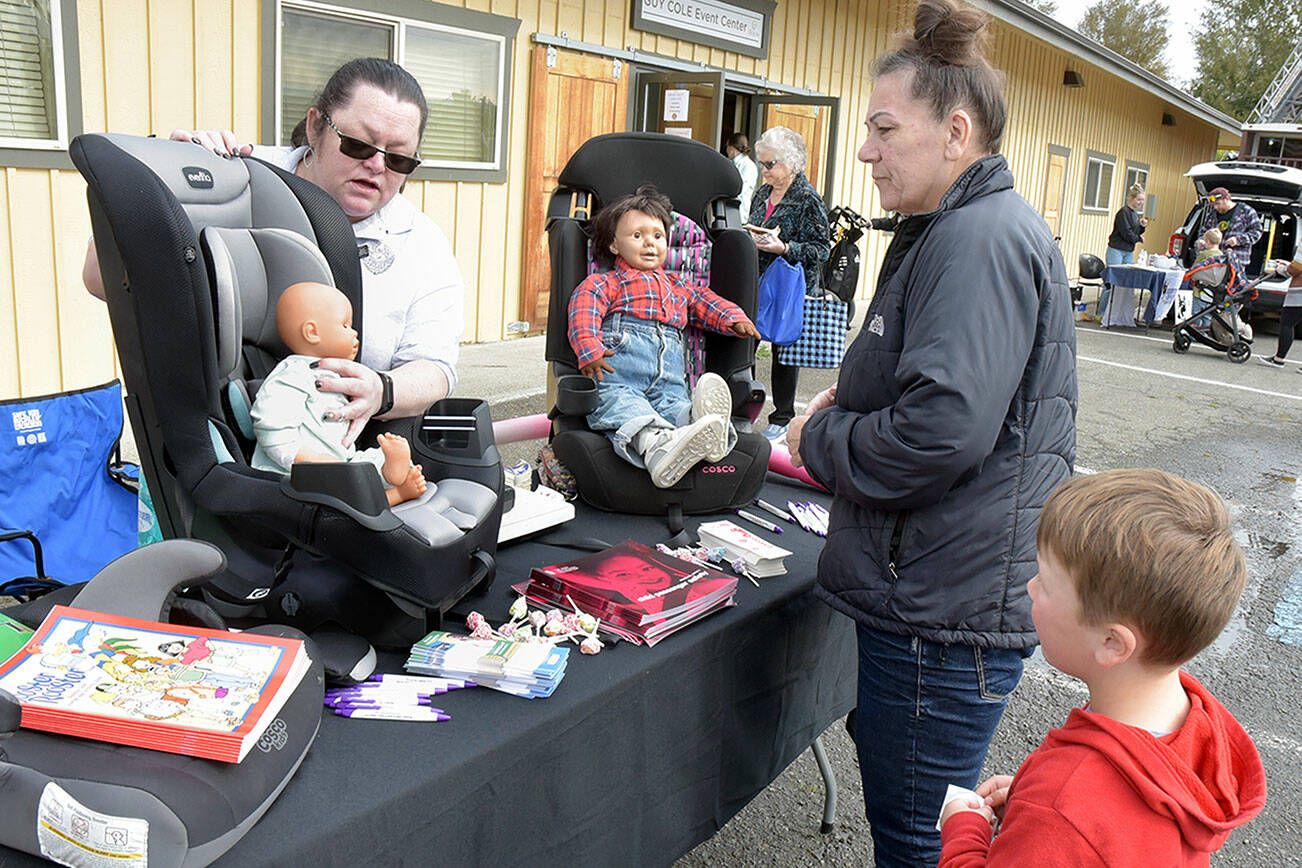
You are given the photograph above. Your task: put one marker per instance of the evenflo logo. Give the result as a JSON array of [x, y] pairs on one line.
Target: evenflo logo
[[27, 426], [197, 177]]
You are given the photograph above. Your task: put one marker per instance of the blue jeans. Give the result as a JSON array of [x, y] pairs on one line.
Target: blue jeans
[[648, 385], [926, 715], [1113, 256]]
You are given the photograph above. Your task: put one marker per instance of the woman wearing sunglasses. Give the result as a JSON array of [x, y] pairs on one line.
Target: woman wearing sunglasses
[[788, 202], [359, 143]]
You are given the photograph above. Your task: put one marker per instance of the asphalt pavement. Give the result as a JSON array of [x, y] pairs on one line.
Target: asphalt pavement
[[1237, 428]]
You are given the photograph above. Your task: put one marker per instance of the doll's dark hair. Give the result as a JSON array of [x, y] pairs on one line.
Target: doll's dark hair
[[946, 54], [647, 199], [376, 71]]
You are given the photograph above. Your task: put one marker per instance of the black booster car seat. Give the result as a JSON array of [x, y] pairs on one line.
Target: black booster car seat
[[187, 811], [703, 186], [194, 251]]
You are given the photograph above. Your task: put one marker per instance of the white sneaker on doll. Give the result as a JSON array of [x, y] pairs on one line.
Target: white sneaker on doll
[[711, 397], [678, 450]]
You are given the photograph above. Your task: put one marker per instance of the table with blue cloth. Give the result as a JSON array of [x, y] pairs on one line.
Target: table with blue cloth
[[1161, 283], [640, 755]]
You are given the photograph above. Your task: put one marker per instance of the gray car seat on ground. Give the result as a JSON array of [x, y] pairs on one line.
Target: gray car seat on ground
[[194, 252], [195, 809]]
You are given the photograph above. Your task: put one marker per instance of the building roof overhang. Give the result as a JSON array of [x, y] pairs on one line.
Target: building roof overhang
[[1041, 26]]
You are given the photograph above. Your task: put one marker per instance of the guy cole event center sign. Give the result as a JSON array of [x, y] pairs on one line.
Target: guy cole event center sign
[[740, 25]]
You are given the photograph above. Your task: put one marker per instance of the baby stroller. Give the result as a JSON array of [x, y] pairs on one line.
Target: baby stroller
[[1218, 290]]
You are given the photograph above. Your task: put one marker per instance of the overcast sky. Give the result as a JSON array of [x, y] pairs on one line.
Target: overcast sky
[[1182, 18]]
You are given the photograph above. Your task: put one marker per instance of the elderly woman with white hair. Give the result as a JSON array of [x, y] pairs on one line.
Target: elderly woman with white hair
[[787, 201]]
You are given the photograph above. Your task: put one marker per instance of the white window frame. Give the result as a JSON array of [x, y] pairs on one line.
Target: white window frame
[[491, 28], [1095, 157], [53, 153], [1133, 171]]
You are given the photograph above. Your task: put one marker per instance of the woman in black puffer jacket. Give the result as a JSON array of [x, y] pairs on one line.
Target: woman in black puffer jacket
[[953, 419]]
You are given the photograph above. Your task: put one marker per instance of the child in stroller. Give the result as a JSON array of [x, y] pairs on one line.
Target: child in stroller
[[1218, 289]]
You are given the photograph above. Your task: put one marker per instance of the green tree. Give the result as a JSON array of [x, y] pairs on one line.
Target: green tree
[[1135, 29], [1241, 46], [1048, 7]]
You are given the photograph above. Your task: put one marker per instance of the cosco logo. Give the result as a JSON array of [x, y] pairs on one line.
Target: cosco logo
[[197, 177], [719, 468]]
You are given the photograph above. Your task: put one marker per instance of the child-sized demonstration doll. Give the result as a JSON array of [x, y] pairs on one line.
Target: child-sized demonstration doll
[[626, 331], [294, 421]]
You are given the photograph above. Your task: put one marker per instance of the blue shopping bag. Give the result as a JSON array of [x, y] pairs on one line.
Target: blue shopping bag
[[779, 313], [55, 481]]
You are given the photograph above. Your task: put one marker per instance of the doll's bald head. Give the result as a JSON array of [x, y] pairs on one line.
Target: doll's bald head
[[316, 320]]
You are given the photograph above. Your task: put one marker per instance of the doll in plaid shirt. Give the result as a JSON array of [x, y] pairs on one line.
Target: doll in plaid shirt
[[626, 332]]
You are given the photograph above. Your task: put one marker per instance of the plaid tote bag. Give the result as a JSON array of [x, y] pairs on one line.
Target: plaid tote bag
[[822, 339]]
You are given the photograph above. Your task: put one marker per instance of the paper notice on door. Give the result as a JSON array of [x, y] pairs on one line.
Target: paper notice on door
[[685, 132], [676, 104]]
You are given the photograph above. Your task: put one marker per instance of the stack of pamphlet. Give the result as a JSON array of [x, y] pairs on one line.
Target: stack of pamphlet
[[637, 593], [528, 669], [762, 557], [187, 690]]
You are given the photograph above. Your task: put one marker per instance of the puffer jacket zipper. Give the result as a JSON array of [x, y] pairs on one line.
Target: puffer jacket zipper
[[893, 550]]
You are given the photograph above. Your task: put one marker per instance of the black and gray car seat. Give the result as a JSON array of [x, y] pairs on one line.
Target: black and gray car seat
[[187, 811], [194, 251], [703, 186]]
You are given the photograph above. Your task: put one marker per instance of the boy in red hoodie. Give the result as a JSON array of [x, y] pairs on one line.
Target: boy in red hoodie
[[1139, 571]]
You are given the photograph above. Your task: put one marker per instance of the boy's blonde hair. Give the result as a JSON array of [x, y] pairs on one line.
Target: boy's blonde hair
[[1149, 550], [1212, 237]]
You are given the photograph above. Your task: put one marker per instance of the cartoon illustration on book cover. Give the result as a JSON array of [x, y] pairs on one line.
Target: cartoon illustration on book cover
[[143, 675]]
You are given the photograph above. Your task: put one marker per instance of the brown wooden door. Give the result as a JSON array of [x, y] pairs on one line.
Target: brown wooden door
[[814, 118], [572, 97]]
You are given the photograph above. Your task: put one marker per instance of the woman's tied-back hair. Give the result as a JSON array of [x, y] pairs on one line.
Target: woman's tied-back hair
[[786, 146], [1149, 550], [1136, 189], [375, 71], [946, 54], [740, 142], [647, 199]]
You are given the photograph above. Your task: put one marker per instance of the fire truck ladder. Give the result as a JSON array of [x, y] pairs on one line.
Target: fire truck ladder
[[1282, 101]]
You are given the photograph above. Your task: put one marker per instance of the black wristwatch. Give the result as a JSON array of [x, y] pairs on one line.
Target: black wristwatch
[[386, 398]]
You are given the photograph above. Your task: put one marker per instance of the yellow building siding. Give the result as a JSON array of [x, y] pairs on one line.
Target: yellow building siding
[[149, 66]]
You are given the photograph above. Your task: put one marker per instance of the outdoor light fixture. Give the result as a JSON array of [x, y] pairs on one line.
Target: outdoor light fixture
[[1168, 119], [1071, 78]]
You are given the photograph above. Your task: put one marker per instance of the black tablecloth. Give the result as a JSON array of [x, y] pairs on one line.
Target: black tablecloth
[[641, 753]]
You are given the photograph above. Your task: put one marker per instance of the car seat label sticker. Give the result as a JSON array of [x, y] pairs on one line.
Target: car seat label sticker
[[71, 834]]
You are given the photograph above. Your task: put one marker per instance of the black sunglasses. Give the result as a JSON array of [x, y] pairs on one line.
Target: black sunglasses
[[360, 150], [768, 164]]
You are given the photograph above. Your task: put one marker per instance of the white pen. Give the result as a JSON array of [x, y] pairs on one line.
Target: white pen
[[392, 713], [760, 522], [774, 510]]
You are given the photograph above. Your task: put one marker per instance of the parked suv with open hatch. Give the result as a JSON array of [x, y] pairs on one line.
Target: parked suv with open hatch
[[1275, 193]]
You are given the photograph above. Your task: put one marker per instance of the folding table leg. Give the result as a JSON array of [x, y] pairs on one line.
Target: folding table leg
[[829, 786]]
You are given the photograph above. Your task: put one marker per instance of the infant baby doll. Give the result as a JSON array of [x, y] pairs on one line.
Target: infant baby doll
[[626, 332], [294, 421]]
